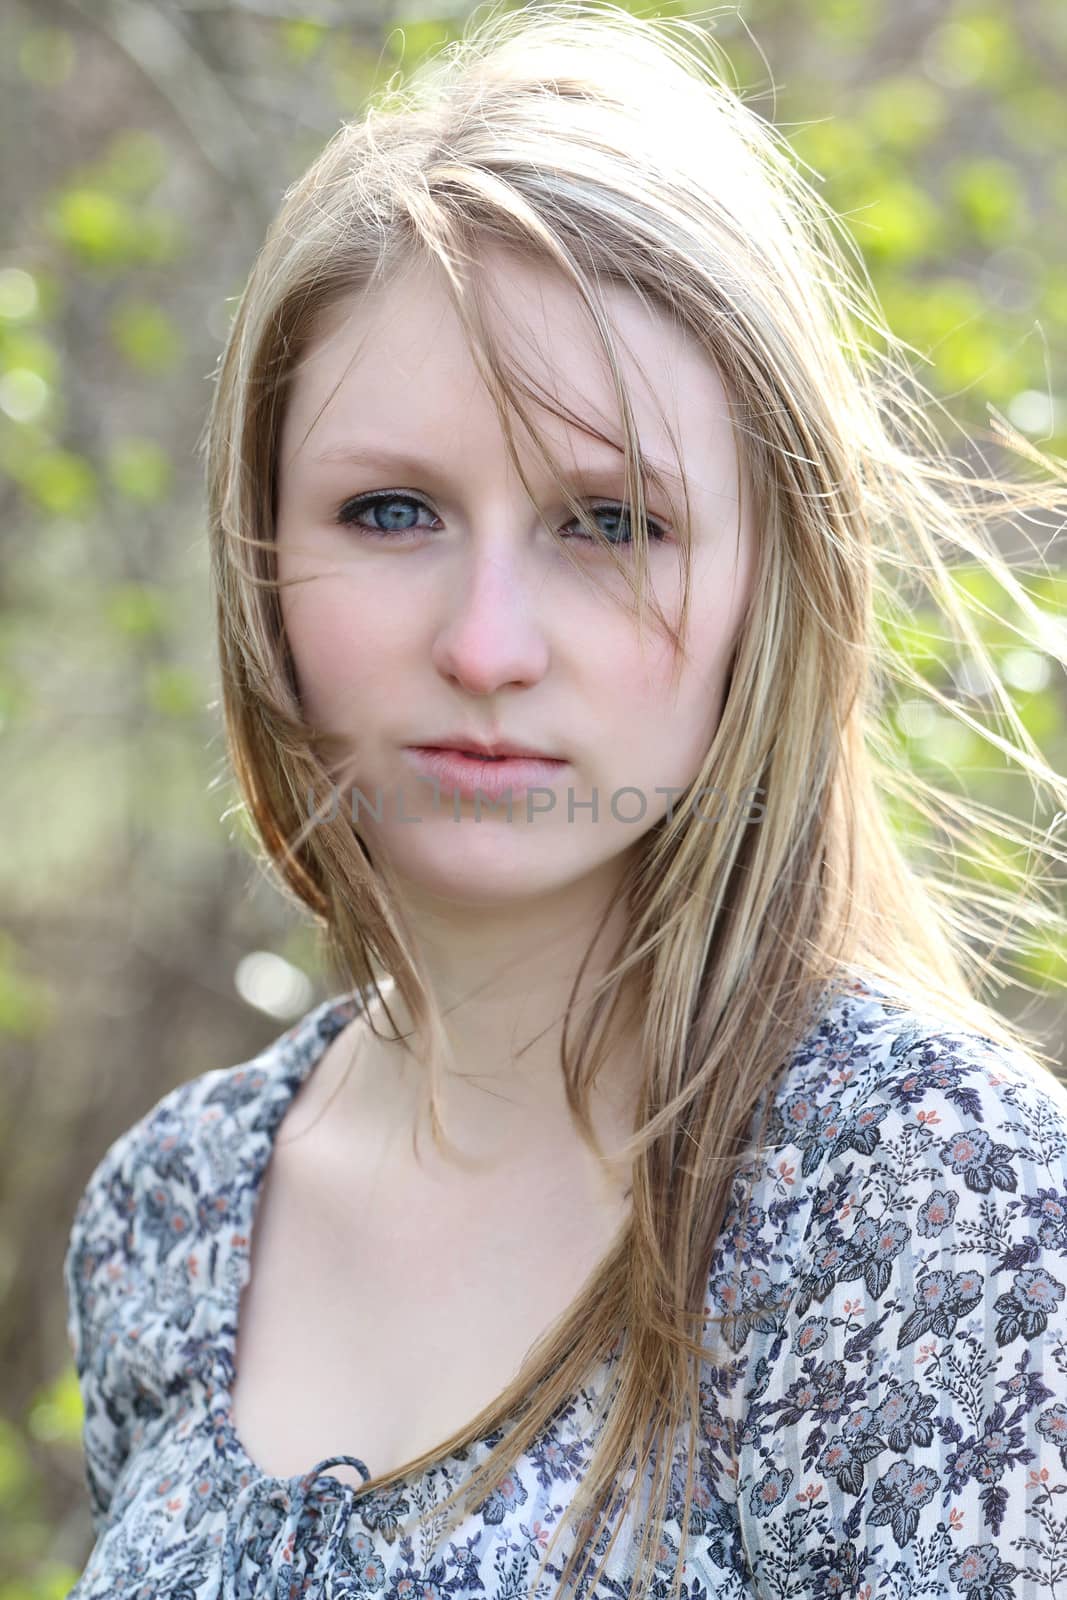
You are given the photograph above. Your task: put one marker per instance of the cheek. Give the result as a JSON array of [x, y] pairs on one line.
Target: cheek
[[675, 714], [345, 653]]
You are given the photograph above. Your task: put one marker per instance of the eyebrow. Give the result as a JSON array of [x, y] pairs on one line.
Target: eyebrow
[[403, 462]]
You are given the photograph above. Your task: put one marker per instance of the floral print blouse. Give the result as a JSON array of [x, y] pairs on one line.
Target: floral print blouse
[[894, 1425]]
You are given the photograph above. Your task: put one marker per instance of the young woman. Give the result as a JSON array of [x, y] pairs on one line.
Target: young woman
[[658, 1208]]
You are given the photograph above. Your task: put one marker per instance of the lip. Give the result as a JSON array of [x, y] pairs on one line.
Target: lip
[[486, 747], [463, 774]]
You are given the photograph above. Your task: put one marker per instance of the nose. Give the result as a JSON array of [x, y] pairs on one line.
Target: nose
[[490, 636]]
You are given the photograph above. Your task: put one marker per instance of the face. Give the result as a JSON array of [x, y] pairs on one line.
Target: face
[[446, 607]]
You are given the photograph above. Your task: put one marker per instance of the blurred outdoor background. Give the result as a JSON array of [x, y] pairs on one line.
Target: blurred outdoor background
[[145, 145]]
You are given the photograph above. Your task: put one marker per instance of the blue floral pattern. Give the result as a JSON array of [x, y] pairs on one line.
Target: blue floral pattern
[[884, 1414]]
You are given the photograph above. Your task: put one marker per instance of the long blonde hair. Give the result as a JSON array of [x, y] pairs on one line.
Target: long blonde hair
[[615, 149]]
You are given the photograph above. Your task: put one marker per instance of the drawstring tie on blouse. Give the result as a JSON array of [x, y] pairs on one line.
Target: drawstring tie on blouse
[[266, 1514]]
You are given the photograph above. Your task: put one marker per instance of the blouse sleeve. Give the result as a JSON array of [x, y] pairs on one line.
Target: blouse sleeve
[[906, 1430], [96, 1274]]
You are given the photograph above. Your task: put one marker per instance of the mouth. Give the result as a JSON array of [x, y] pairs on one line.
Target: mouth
[[498, 750], [479, 755], [468, 771], [511, 757]]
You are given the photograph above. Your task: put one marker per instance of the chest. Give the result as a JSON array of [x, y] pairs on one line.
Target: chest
[[380, 1317]]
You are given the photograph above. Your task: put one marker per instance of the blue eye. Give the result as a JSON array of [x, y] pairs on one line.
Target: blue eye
[[351, 514]]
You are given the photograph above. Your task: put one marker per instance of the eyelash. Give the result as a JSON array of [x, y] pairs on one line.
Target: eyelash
[[347, 517]]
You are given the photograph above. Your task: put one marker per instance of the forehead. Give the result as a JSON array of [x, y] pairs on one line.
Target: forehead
[[394, 366]]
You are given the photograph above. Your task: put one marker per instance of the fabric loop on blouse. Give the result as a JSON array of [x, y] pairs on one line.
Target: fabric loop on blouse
[[264, 1528]]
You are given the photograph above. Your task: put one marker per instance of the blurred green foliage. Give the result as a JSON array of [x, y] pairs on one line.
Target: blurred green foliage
[[938, 134]]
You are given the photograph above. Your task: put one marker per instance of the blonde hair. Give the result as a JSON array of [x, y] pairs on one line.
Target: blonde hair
[[614, 149]]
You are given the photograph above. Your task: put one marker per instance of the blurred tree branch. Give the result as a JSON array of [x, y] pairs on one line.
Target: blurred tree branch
[[195, 91]]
